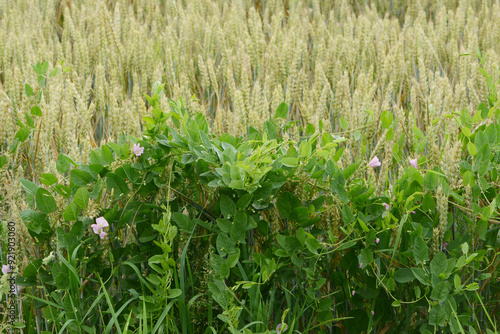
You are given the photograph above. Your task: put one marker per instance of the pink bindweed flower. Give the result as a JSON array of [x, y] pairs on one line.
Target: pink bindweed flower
[[281, 328], [137, 149], [361, 265], [101, 223], [372, 312], [6, 269], [444, 245], [413, 212], [377, 240], [414, 163], [18, 289], [374, 162], [386, 206], [353, 292]]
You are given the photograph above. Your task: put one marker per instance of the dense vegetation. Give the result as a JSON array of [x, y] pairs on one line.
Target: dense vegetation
[[251, 166]]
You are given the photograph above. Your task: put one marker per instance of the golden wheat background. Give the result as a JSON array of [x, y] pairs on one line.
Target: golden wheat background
[[327, 59]]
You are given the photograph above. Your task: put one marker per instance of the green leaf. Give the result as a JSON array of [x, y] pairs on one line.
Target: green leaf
[[301, 236], [420, 251], [28, 90], [418, 133], [71, 212], [270, 130], [81, 197], [468, 178], [54, 72], [386, 117], [232, 260], [31, 269], [466, 131], [465, 248], [457, 282], [290, 161], [286, 203], [244, 201], [440, 291], [491, 133], [37, 219], [224, 225], [35, 110], [310, 129], [366, 256], [300, 215], [483, 108], [404, 275], [184, 222], [343, 123], [107, 154], [23, 133], [63, 163], [439, 264], [420, 274], [282, 111], [437, 316], [227, 207], [396, 303], [431, 180], [347, 215], [239, 228], [293, 244], [349, 171], [80, 178], [37, 224], [174, 293], [363, 225], [471, 148], [224, 270], [480, 139], [116, 184], [390, 135], [224, 244], [48, 179], [37, 68], [338, 186], [44, 68], [30, 188], [3, 161], [305, 149], [62, 190], [417, 291], [312, 245], [131, 173], [428, 203], [44, 201]]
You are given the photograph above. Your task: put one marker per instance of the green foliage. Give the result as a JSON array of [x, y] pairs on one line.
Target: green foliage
[[242, 235]]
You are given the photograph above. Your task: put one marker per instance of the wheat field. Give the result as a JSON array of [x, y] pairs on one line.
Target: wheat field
[[338, 63]]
